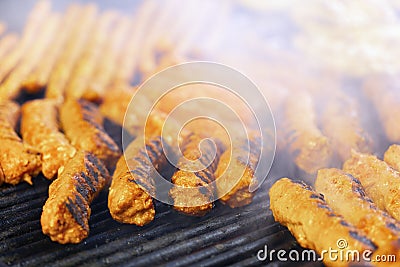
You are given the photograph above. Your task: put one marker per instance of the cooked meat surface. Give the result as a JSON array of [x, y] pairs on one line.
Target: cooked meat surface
[[83, 126], [40, 128], [312, 222], [380, 181], [238, 160], [341, 123], [392, 157], [345, 195], [18, 161], [66, 213], [305, 142], [129, 199], [195, 171]]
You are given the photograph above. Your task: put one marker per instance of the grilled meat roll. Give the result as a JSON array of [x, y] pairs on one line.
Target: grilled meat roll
[[115, 107], [309, 147], [229, 168], [313, 223], [129, 200], [65, 216], [341, 123], [392, 157], [345, 195], [383, 92], [39, 77], [40, 128], [380, 181], [115, 103], [83, 71], [200, 199], [18, 161], [11, 87], [74, 46], [83, 126]]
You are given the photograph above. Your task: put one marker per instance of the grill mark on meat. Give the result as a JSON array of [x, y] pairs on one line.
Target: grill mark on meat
[[96, 162], [362, 239], [92, 172], [75, 212], [153, 153], [392, 226], [107, 140], [317, 196], [305, 186], [86, 105], [81, 116], [204, 190], [89, 182], [205, 175], [209, 151], [82, 175], [81, 204], [324, 206], [254, 150], [344, 223], [143, 169], [82, 191], [353, 179], [142, 161]]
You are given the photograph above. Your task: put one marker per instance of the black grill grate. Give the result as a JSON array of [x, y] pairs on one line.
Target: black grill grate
[[222, 237]]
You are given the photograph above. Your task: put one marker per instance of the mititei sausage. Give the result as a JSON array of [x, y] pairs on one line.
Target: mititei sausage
[[312, 221], [380, 181], [83, 126], [66, 213], [196, 171], [345, 195], [40, 128], [18, 161], [129, 199]]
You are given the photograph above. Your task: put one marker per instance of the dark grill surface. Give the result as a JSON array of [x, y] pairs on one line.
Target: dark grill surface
[[223, 237]]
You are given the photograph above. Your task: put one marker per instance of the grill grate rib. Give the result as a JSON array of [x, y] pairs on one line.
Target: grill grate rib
[[222, 237]]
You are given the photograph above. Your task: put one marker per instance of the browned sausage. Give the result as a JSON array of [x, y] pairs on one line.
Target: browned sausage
[[66, 213]]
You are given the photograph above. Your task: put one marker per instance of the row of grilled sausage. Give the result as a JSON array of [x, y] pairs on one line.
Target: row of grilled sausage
[[359, 204], [320, 128], [82, 155]]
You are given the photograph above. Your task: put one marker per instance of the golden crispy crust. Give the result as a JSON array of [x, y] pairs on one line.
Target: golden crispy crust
[[392, 157], [18, 161], [312, 221], [380, 181], [227, 175], [129, 200], [66, 213], [309, 147], [40, 128], [115, 103], [193, 203], [83, 126], [345, 195]]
